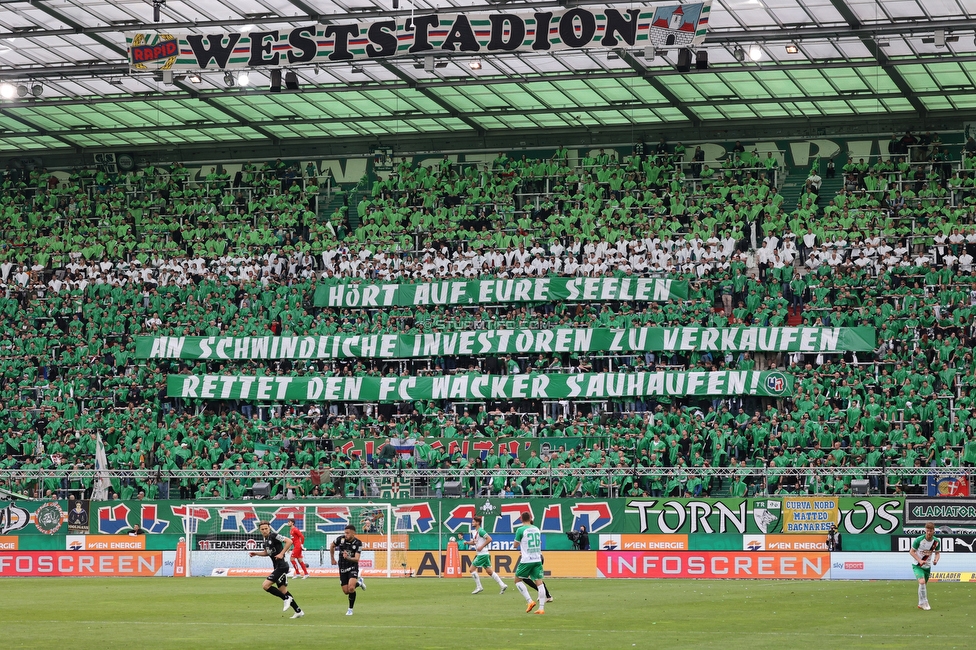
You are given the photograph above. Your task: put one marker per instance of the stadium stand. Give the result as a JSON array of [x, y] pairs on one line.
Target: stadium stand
[[91, 260]]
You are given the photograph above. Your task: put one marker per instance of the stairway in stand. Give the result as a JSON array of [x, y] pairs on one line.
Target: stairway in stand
[[795, 317]]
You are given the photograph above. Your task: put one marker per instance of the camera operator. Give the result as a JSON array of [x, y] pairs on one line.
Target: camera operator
[[833, 539], [580, 540]]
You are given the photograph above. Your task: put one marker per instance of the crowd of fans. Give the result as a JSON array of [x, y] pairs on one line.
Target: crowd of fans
[[92, 260]]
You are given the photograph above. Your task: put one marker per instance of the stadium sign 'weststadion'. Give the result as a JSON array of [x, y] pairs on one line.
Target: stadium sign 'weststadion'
[[423, 34]]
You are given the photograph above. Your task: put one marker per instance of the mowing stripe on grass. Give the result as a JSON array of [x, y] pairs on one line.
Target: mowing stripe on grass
[[496, 628]]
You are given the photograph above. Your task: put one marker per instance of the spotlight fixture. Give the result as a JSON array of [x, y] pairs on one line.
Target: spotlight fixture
[[229, 79], [37, 90], [157, 6], [22, 90], [275, 81], [193, 77], [611, 55], [755, 52], [739, 54], [418, 65], [440, 64], [291, 80], [792, 49], [242, 79], [7, 91], [475, 64], [357, 69]]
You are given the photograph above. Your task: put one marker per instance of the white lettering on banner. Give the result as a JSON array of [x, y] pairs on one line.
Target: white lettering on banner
[[209, 385], [662, 290], [618, 336], [539, 385], [315, 386], [387, 386], [406, 386], [353, 388], [829, 339], [227, 386], [584, 339], [459, 387], [439, 389], [573, 383], [521, 341], [541, 290], [715, 383], [246, 382], [558, 386], [288, 346], [673, 515], [190, 384], [175, 346], [671, 336], [709, 336], [748, 341]]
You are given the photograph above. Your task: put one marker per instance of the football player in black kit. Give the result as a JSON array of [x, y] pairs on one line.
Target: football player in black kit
[[275, 546], [350, 548]]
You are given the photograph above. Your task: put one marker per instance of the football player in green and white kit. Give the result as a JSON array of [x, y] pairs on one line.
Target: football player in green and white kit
[[528, 540], [926, 550], [479, 541]]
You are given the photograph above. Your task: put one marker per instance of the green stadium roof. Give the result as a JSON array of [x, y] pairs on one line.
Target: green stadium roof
[[853, 58]]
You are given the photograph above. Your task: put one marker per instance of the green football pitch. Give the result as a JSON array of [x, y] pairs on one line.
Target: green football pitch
[[430, 613]]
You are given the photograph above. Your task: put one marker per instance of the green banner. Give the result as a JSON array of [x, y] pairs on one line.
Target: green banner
[[602, 385], [876, 515], [481, 292], [563, 340], [495, 452], [655, 516]]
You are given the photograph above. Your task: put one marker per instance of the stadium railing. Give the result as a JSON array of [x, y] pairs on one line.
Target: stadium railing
[[369, 482]]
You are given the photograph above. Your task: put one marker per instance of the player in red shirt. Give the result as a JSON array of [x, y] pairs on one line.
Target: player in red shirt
[[298, 547]]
